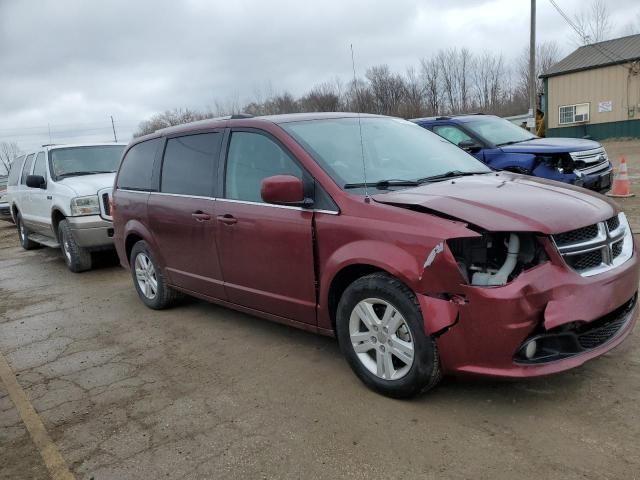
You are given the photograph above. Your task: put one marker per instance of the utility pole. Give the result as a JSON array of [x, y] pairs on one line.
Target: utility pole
[[532, 63], [113, 125]]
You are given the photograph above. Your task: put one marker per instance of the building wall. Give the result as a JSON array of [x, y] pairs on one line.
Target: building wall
[[611, 83]]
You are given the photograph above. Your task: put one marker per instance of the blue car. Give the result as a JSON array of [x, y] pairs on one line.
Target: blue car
[[505, 146]]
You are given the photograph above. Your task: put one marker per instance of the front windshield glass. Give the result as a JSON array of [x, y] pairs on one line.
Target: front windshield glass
[[498, 131], [73, 161], [394, 150]]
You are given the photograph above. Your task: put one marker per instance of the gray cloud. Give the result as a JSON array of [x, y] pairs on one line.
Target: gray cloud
[[72, 63]]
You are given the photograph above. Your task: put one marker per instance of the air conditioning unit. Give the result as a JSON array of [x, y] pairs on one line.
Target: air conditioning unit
[[583, 117]]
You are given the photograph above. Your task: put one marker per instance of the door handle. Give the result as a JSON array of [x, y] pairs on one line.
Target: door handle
[[200, 216], [227, 219]]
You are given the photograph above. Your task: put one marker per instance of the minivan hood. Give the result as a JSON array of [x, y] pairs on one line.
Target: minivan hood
[[89, 184], [551, 145], [508, 202]]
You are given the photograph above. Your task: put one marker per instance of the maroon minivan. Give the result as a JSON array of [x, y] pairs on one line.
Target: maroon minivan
[[416, 256]]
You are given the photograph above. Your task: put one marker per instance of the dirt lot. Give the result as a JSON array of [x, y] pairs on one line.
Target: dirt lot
[[201, 392]]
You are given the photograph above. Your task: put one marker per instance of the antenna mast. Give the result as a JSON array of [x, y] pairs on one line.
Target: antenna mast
[[364, 165]]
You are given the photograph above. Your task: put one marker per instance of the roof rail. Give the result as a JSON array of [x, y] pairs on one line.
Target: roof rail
[[51, 144], [443, 118], [237, 116]]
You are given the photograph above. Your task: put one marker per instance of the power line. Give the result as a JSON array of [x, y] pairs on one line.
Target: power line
[[585, 37]]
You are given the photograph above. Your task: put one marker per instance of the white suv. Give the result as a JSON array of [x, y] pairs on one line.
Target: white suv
[[59, 196]]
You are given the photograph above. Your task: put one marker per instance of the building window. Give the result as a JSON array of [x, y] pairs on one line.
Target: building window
[[574, 113]]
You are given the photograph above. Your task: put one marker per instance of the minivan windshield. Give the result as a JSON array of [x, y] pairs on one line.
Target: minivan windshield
[[397, 153], [498, 131], [75, 161]]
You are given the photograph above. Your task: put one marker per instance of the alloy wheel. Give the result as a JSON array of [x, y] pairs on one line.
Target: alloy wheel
[[146, 276], [381, 338]]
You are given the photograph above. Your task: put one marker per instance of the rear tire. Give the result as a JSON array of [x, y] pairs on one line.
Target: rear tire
[[149, 280], [380, 330], [23, 234], [78, 259]]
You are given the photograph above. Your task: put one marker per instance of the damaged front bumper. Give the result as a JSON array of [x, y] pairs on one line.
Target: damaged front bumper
[[485, 331]]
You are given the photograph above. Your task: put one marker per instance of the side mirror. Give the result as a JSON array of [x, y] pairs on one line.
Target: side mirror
[[469, 146], [36, 181], [283, 190]]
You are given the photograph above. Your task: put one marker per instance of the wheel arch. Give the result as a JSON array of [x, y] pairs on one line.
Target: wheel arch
[[56, 217]]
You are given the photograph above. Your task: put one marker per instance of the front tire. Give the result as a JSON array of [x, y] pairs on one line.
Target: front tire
[[149, 279], [380, 331], [23, 234], [78, 259]]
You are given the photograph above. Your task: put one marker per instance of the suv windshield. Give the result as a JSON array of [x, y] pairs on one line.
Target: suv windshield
[[73, 161], [498, 131], [397, 153]]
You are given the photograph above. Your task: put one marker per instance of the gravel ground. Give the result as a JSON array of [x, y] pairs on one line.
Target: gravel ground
[[201, 392]]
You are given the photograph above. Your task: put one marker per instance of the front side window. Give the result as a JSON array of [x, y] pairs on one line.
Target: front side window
[[387, 148], [76, 161], [136, 171], [498, 131], [190, 163], [451, 133], [26, 171], [40, 167], [252, 157], [14, 172]]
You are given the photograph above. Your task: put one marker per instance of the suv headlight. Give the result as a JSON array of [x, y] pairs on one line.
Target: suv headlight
[[85, 206]]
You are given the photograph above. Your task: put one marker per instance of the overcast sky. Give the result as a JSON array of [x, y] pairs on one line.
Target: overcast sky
[[67, 65]]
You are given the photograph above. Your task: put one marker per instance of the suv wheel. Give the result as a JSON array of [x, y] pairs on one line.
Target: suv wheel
[[78, 259], [23, 234], [149, 280], [380, 331]]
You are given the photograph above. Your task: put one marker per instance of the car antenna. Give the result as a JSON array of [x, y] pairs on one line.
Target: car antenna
[[367, 198]]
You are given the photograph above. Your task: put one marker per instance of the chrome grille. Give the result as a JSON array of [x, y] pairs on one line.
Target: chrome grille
[[575, 236], [584, 261], [596, 248], [613, 223], [590, 161]]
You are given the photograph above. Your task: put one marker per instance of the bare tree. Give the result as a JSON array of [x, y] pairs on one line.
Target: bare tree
[[547, 54], [388, 89], [9, 151], [488, 75], [433, 87], [414, 100], [632, 28], [169, 118], [593, 22], [322, 98]]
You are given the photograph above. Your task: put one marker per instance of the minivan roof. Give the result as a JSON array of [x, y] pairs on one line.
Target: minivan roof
[[231, 121]]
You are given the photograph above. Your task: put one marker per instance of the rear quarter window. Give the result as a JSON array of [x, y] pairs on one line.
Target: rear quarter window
[[136, 170], [14, 171]]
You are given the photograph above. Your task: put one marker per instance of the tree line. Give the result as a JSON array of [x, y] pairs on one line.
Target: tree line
[[450, 81]]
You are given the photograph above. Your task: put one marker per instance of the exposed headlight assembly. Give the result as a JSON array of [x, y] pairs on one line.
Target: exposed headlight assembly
[[85, 206], [496, 258]]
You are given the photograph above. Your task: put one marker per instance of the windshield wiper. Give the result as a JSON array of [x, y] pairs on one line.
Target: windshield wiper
[[384, 184], [449, 174], [76, 174], [514, 141]]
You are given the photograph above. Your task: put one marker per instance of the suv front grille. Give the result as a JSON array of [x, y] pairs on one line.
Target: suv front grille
[[596, 248], [590, 161]]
